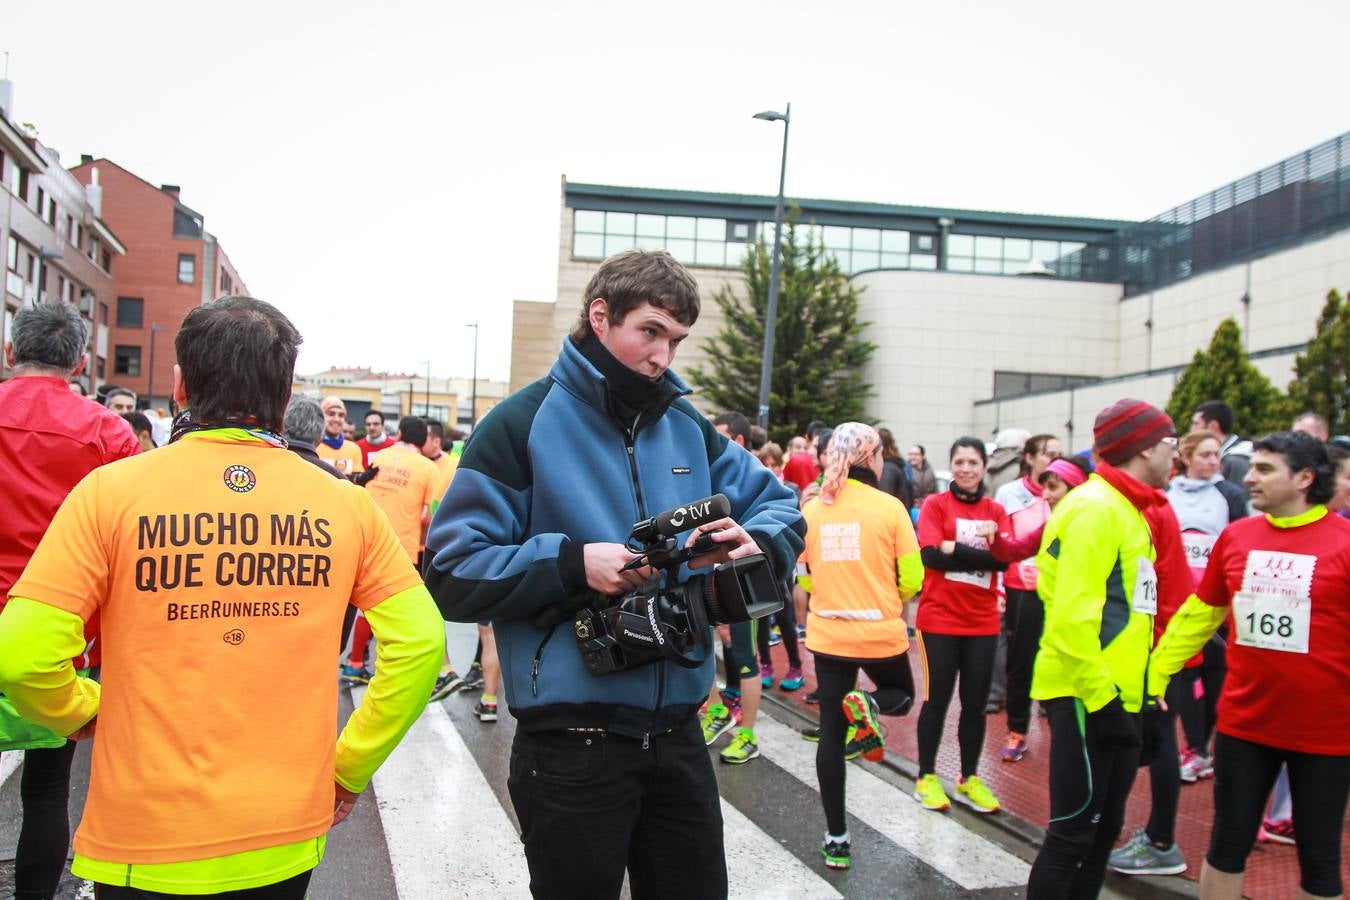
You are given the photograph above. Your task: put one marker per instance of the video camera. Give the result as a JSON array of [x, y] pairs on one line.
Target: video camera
[[663, 619]]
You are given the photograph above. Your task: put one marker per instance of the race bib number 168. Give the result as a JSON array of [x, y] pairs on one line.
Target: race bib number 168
[[1272, 623]]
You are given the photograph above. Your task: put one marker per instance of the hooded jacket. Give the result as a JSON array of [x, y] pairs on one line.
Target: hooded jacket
[[1199, 504], [555, 466]]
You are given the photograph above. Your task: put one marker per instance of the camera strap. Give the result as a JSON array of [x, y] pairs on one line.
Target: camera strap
[[663, 634]]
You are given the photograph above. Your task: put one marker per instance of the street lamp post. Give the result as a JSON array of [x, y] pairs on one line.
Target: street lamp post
[[426, 394], [150, 379], [771, 314], [473, 391]]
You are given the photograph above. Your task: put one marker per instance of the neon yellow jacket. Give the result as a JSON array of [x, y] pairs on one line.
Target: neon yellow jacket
[[1095, 646]]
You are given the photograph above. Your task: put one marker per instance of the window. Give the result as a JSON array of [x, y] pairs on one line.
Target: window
[[102, 316], [187, 268], [130, 312], [127, 360], [226, 282]]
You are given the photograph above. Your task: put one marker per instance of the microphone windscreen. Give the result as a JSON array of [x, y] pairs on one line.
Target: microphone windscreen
[[682, 518]]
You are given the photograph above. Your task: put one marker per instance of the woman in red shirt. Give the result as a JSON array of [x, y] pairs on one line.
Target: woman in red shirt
[[958, 623]]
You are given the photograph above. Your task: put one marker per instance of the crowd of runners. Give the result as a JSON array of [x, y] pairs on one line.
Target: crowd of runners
[[1170, 599]]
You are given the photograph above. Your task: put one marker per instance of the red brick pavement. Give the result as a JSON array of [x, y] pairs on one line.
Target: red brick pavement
[[1272, 869]]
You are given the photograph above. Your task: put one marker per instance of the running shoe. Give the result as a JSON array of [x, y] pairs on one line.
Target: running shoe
[[861, 711], [837, 854], [1014, 748], [766, 676], [356, 674], [775, 636], [1277, 831], [486, 712], [993, 706], [446, 685], [734, 704], [801, 632], [792, 681], [1195, 766], [812, 698], [811, 734], [852, 749], [473, 678], [742, 748], [1140, 856], [717, 721], [928, 791], [976, 794]]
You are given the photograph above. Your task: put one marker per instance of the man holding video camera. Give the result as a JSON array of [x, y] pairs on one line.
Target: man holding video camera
[[609, 771]]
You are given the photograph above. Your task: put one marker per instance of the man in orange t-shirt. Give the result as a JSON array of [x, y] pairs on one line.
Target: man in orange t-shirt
[[406, 484], [334, 447]]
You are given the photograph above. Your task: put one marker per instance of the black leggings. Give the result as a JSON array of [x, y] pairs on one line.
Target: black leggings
[[1200, 715], [1244, 773], [787, 624], [1090, 783], [1164, 776], [944, 656], [44, 836], [293, 888], [835, 677], [1024, 620]]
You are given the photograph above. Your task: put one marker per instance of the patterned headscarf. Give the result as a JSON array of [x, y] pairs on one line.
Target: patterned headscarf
[[852, 444]]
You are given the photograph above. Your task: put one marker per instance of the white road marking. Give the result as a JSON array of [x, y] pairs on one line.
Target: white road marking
[[759, 868], [431, 794], [940, 842], [9, 763]]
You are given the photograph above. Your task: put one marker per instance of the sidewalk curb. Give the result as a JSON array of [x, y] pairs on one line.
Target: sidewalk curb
[[1146, 887]]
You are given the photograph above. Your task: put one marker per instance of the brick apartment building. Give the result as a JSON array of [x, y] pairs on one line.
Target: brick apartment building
[[172, 264]]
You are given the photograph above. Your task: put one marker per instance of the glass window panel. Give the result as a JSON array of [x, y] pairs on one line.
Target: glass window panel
[[743, 232], [620, 223], [712, 229], [711, 253], [681, 249], [589, 220], [960, 264], [1015, 266], [617, 243], [921, 242], [989, 266], [866, 259], [843, 257], [895, 241], [588, 245], [651, 226], [837, 237], [1045, 251], [922, 261], [866, 239], [1016, 248], [736, 253], [989, 247], [895, 260], [960, 245], [679, 227], [1067, 247], [647, 242]]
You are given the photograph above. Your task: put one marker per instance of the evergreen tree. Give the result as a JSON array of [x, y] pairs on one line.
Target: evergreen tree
[[1322, 372], [818, 346], [1223, 372]]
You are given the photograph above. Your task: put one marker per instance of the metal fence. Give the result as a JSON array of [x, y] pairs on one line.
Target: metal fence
[[1294, 200]]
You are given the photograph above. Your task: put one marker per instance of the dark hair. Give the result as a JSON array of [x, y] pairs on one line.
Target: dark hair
[[118, 392], [758, 438], [52, 335], [139, 422], [1217, 411], [922, 451], [434, 428], [455, 434], [888, 448], [973, 443], [238, 360], [1338, 453], [1303, 451], [823, 442], [815, 426], [1036, 443], [629, 279], [373, 412], [1076, 461], [412, 430], [737, 424]]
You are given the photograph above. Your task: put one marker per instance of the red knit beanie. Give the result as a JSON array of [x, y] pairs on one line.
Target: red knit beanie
[[1128, 427]]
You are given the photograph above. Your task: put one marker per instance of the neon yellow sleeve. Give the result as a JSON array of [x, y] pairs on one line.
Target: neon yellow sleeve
[[805, 583], [1187, 631], [410, 642], [910, 570], [1073, 616], [37, 642]]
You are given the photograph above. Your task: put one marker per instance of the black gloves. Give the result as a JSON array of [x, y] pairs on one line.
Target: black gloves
[[1113, 726], [361, 478]]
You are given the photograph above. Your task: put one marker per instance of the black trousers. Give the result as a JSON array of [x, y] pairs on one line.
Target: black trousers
[[836, 676], [945, 656], [1024, 620], [1244, 773], [1164, 775], [787, 624], [592, 804], [292, 888], [44, 836], [1089, 785], [1200, 715]]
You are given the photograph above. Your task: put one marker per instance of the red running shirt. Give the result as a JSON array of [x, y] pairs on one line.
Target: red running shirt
[[957, 602], [801, 470]]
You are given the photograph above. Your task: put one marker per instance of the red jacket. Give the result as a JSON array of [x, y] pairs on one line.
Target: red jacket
[[50, 438]]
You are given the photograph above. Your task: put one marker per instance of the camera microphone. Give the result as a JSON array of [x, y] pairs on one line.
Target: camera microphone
[[682, 518]]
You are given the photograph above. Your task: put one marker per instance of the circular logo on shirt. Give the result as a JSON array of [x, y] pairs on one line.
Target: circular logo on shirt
[[234, 637], [240, 479]]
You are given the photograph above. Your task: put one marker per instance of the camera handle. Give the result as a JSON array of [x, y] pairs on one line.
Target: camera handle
[[664, 555]]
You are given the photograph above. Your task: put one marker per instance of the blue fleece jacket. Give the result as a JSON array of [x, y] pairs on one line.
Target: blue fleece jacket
[[552, 467]]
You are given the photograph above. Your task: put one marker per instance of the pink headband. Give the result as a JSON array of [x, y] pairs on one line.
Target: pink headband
[[1067, 472]]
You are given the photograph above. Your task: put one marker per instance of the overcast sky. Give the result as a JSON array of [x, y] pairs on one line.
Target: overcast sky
[[386, 175]]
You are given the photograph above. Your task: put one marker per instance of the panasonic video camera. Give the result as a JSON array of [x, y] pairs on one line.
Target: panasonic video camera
[[668, 620]]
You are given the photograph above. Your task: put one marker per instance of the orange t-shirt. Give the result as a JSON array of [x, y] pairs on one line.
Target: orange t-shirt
[[446, 466], [221, 569], [853, 547], [346, 459], [404, 490]]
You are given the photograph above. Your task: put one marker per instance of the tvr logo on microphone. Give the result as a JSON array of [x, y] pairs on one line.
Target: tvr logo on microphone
[[694, 510]]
